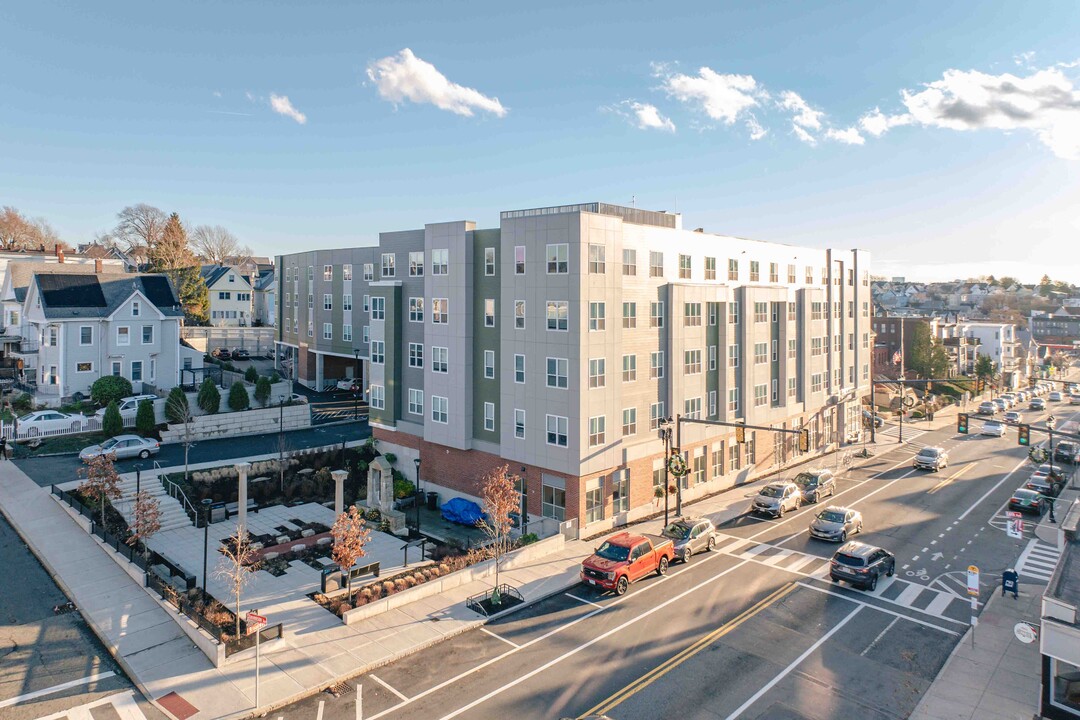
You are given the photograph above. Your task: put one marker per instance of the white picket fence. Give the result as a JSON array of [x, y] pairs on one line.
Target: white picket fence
[[79, 424]]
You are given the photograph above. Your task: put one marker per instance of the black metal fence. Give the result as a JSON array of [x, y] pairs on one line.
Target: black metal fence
[[481, 602], [333, 579], [244, 642]]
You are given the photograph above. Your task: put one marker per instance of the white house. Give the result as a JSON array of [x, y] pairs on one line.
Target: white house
[[998, 342], [266, 298], [230, 296]]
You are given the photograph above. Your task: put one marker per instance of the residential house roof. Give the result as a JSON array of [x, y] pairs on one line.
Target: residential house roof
[[266, 279], [212, 273], [21, 274], [65, 296]]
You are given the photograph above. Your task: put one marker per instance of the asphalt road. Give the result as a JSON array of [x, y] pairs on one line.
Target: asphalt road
[[48, 470], [753, 630]]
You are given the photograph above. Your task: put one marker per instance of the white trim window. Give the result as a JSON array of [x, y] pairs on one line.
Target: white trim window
[[519, 369], [440, 409], [416, 355], [136, 371], [597, 372], [84, 367], [416, 309], [416, 264], [656, 314], [558, 430], [147, 334], [327, 272], [440, 261], [416, 401], [489, 261], [597, 316], [136, 308], [440, 359], [346, 302], [328, 331], [440, 314], [656, 415], [656, 365], [489, 312], [346, 332], [327, 301], [558, 314], [389, 262], [597, 430], [629, 368], [519, 259], [489, 416], [123, 335], [519, 314], [519, 423], [378, 308], [629, 421], [346, 272], [86, 334], [597, 259], [557, 372], [558, 258], [489, 364], [369, 272], [378, 397], [378, 352]]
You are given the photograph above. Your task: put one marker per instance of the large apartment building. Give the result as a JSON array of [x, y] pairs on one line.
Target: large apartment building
[[559, 342]]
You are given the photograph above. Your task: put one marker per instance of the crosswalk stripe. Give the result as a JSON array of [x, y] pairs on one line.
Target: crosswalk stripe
[[778, 557], [940, 603], [909, 594], [800, 561]]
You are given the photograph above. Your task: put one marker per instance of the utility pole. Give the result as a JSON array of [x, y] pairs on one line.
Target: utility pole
[[903, 397]]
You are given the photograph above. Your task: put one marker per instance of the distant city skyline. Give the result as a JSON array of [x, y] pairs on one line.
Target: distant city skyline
[[945, 152]]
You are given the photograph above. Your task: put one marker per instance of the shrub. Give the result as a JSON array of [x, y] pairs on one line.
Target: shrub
[[112, 424], [24, 403], [403, 487], [275, 378], [529, 538], [209, 398], [238, 397], [110, 387], [251, 374], [400, 584], [145, 421], [262, 390], [344, 608], [390, 458], [176, 406]]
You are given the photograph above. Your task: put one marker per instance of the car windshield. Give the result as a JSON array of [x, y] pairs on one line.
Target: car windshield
[[831, 516], [617, 553], [772, 491], [850, 560], [109, 443], [928, 453], [806, 479], [677, 530], [27, 417], [1025, 494]]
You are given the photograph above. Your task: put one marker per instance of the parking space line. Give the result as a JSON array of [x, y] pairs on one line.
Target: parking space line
[[56, 688], [583, 600], [879, 636], [511, 643], [386, 685]]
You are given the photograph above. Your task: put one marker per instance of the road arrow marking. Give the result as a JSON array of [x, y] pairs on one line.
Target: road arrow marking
[[937, 556]]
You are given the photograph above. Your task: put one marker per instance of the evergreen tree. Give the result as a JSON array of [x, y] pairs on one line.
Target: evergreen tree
[[251, 375], [145, 422], [112, 424], [238, 397], [171, 255], [176, 407], [262, 390], [209, 398]]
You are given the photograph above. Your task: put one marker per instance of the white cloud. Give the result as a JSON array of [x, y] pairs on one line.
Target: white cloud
[[878, 123], [282, 106], [217, 93], [721, 97], [404, 77], [803, 135], [1045, 103], [756, 130], [804, 115], [848, 136], [646, 116], [1024, 59]]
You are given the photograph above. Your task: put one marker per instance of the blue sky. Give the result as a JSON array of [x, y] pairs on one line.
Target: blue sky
[[945, 138]]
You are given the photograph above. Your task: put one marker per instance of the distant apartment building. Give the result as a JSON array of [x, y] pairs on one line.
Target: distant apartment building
[[998, 342], [231, 292], [559, 343], [891, 331], [1060, 329]]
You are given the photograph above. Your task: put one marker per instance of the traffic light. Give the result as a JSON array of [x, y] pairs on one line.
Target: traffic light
[[1033, 381], [962, 423], [1023, 436], [804, 440], [740, 434]]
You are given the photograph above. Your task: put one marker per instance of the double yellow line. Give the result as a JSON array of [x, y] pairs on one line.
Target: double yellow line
[[949, 479], [671, 663]]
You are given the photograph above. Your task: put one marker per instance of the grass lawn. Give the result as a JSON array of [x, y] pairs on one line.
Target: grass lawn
[[60, 444]]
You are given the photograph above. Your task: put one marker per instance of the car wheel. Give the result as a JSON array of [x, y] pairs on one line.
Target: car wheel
[[661, 569], [780, 512], [834, 578], [712, 544], [873, 583], [859, 529], [622, 586], [843, 536], [798, 503], [892, 569], [144, 454], [687, 553]]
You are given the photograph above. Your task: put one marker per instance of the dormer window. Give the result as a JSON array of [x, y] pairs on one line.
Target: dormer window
[[135, 308], [232, 278]]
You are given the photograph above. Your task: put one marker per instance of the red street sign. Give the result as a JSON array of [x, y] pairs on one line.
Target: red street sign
[[253, 619], [1012, 514]]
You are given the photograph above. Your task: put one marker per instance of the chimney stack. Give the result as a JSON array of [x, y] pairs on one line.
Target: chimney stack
[[56, 250], [97, 265], [59, 255]]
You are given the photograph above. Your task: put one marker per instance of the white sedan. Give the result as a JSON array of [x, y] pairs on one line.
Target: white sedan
[[122, 446], [49, 421], [994, 428]]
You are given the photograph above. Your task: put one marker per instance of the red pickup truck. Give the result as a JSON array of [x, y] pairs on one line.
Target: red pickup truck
[[626, 558]]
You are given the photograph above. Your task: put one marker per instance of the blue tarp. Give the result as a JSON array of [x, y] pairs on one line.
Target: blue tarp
[[461, 511]]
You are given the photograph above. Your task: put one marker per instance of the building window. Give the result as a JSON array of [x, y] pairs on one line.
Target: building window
[[629, 368], [378, 352], [597, 430], [733, 400], [761, 312], [815, 346], [346, 302], [439, 409], [311, 273], [369, 272], [691, 314], [147, 334], [712, 357], [597, 372], [519, 369], [440, 262], [84, 367], [791, 274], [489, 261], [86, 335], [117, 369], [440, 359], [557, 369], [310, 299], [416, 355], [629, 261], [346, 332], [519, 260], [733, 312], [519, 314], [774, 273], [553, 500], [775, 350], [440, 311], [692, 408], [712, 403], [558, 259], [656, 264], [594, 500], [557, 314], [629, 421], [489, 364], [692, 362], [416, 310], [791, 387], [136, 308], [656, 415], [378, 308], [346, 272], [416, 264], [597, 259], [327, 302], [816, 382], [733, 456], [388, 263], [557, 430], [791, 312], [416, 401], [597, 316], [656, 365], [656, 314], [718, 461], [733, 355], [866, 340], [519, 423], [136, 371], [489, 312], [620, 490], [699, 466], [761, 395], [489, 417], [732, 269], [684, 267], [123, 335], [761, 353], [629, 314], [710, 268]]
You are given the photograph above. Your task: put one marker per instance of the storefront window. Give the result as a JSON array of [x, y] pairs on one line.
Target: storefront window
[[1066, 685]]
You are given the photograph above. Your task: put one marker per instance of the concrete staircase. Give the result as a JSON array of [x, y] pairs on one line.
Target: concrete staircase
[[172, 510]]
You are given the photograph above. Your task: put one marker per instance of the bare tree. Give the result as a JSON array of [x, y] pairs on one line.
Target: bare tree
[[18, 232], [147, 520], [217, 245], [236, 567], [102, 483], [178, 411], [140, 224], [500, 498], [350, 536]]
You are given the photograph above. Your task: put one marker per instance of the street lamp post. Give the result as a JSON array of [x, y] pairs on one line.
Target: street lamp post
[[665, 436], [419, 495], [524, 503], [138, 478], [206, 502], [281, 444]]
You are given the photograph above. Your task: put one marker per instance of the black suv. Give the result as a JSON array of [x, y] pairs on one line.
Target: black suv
[[1067, 452], [816, 484], [861, 565]]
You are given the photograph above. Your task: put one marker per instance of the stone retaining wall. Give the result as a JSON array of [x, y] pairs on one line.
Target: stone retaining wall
[[246, 422]]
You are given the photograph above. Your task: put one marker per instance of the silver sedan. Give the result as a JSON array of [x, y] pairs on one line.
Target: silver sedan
[[836, 523], [122, 446]]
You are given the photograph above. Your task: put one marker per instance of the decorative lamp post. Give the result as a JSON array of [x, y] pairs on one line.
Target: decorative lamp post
[[419, 494], [665, 436], [206, 502], [138, 478], [524, 503]]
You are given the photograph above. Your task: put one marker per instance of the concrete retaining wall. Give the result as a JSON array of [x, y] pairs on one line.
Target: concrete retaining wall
[[246, 422]]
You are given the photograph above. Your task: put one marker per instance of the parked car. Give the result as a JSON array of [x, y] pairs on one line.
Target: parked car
[[931, 458], [836, 523], [874, 419], [1067, 452], [298, 398], [222, 353], [128, 406], [776, 498], [1047, 479], [1074, 399], [1055, 396], [44, 421], [1002, 405], [691, 535], [993, 428], [1027, 501], [816, 484], [1037, 404], [241, 354], [1013, 417], [625, 558], [123, 446], [987, 408], [861, 565]]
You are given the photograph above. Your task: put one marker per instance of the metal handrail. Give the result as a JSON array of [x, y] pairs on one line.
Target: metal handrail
[[176, 493]]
